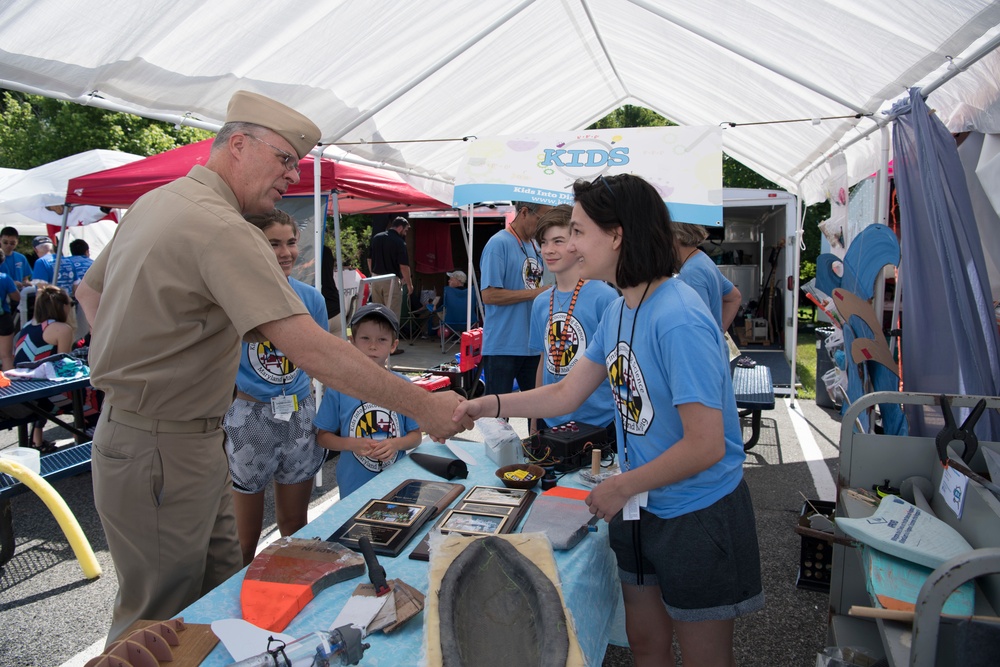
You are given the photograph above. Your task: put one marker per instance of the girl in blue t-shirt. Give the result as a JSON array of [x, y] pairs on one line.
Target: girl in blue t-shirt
[[681, 521], [269, 427]]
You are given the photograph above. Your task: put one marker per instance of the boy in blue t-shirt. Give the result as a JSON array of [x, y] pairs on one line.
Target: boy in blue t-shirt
[[370, 438], [565, 319]]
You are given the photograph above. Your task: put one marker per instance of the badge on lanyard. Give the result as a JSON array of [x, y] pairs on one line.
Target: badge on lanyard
[[283, 406]]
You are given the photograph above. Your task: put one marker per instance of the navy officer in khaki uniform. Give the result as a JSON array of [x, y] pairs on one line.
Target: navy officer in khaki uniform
[[183, 281]]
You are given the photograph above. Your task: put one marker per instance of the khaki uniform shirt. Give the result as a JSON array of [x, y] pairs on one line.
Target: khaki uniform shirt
[[183, 280]]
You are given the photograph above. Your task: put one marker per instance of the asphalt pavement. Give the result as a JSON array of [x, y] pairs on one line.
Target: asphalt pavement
[[50, 615]]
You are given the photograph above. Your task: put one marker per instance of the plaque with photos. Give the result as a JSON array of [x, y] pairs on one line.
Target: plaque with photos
[[391, 522], [484, 510], [393, 514], [472, 523]]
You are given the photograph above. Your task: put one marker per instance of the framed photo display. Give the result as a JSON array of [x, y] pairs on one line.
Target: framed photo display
[[484, 510], [472, 523], [396, 514], [390, 523]]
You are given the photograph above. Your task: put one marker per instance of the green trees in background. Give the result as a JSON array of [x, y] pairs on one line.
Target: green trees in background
[[36, 130], [355, 232]]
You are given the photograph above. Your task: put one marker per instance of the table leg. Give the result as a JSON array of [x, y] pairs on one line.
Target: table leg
[[754, 428], [78, 420], [6, 532]]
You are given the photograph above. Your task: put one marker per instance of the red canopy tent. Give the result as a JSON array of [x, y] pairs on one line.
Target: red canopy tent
[[361, 189]]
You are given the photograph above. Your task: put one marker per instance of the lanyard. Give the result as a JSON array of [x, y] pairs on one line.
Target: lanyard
[[627, 372], [556, 351], [520, 244], [534, 251]]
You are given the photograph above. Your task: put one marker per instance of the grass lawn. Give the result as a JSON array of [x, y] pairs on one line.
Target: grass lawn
[[805, 361]]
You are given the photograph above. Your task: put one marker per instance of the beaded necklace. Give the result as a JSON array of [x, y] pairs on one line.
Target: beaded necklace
[[556, 350]]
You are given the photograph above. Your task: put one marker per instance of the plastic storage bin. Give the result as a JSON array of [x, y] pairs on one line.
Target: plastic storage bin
[[816, 555], [823, 364]]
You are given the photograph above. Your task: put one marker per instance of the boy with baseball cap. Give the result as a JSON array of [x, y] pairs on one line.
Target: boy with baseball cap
[[370, 438]]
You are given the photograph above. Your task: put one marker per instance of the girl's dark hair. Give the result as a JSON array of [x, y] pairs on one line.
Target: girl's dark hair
[[630, 202], [49, 303]]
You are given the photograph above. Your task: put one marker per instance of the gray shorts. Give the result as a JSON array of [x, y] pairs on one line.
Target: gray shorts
[[261, 448], [706, 563]]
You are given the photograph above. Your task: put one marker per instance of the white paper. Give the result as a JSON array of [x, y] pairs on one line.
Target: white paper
[[244, 639], [631, 510], [461, 453], [359, 611], [952, 490], [905, 531]]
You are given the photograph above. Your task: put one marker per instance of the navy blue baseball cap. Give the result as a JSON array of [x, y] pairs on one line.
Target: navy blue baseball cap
[[376, 310]]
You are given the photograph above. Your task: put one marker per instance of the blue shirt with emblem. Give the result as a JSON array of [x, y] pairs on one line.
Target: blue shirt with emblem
[[44, 269], [264, 371], [672, 355], [594, 298], [16, 266], [349, 417], [702, 275], [509, 263]]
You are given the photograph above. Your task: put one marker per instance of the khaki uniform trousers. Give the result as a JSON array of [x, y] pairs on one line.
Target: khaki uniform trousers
[[380, 294], [165, 501]]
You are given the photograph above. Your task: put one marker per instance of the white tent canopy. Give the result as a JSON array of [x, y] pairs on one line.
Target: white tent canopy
[[395, 71], [25, 195]]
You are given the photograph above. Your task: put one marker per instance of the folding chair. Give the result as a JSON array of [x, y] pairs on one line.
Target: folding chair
[[453, 317]]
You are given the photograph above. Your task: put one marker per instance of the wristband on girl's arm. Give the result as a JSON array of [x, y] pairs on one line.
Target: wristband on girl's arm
[[498, 405]]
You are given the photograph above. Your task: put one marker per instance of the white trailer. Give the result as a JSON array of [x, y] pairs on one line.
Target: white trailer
[[755, 224]]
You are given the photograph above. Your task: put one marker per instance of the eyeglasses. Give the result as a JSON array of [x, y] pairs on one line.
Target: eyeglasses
[[288, 161], [606, 184]]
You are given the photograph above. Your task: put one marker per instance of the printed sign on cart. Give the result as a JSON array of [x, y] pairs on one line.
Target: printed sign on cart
[[684, 164]]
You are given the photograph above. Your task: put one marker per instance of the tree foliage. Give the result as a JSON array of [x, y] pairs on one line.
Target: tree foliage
[[36, 130], [355, 230], [631, 116]]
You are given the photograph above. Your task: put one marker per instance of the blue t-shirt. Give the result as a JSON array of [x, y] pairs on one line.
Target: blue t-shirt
[[44, 269], [71, 271], [511, 264], [264, 371], [593, 300], [6, 287], [16, 266], [350, 418], [701, 273], [674, 354]]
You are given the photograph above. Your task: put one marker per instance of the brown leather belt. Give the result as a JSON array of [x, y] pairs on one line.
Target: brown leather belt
[[243, 396], [154, 426]]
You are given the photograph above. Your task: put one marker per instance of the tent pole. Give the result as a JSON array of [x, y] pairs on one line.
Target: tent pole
[[796, 262], [882, 191], [62, 241], [93, 100], [974, 57], [319, 219], [747, 54], [472, 41], [471, 275], [335, 202]]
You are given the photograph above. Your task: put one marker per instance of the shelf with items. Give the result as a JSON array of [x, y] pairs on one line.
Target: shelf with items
[[869, 459]]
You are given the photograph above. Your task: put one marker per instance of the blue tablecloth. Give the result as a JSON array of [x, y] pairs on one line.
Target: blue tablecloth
[[588, 574]]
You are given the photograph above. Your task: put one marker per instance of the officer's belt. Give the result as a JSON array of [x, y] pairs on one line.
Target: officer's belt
[[137, 421]]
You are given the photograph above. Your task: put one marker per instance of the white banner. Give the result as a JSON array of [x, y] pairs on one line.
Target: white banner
[[683, 163]]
